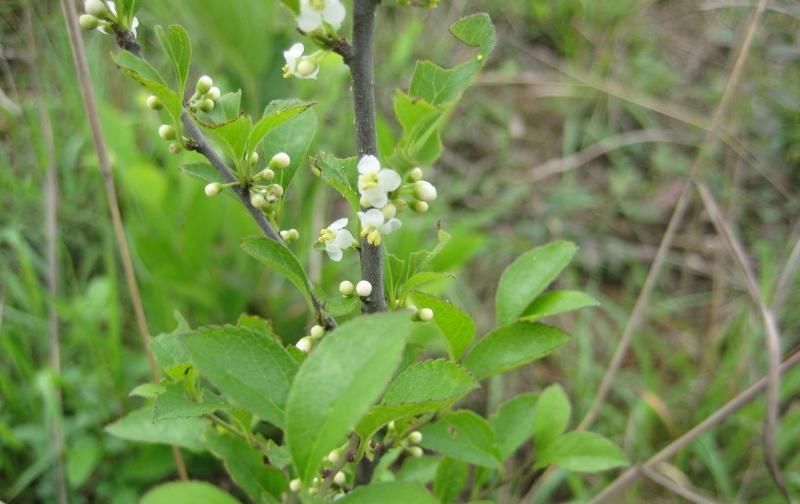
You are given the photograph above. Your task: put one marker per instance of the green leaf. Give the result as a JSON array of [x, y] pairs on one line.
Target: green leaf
[[451, 477], [552, 416], [259, 325], [175, 41], [187, 492], [582, 452], [553, 303], [293, 5], [338, 382], [389, 493], [125, 11], [245, 465], [340, 174], [512, 346], [148, 390], [513, 423], [293, 137], [336, 304], [456, 326], [173, 403], [275, 114], [138, 426], [141, 71], [280, 258], [226, 110], [250, 369], [422, 122], [83, 457], [464, 436], [476, 30], [232, 137], [425, 387], [528, 276], [278, 455], [203, 171]]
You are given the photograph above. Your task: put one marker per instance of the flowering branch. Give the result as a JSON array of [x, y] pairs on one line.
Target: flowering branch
[[359, 59]]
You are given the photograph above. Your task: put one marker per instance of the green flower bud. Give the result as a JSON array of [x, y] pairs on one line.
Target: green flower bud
[[279, 161], [389, 211], [415, 174], [346, 288], [207, 105], [425, 314], [259, 201], [317, 332], [213, 189], [265, 175], [252, 158], [295, 485], [213, 93], [416, 451], [294, 234], [154, 103], [415, 437], [419, 206], [88, 22], [167, 132], [340, 478], [175, 148], [204, 84]]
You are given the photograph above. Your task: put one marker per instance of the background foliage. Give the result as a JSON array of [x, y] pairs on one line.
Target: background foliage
[[581, 128]]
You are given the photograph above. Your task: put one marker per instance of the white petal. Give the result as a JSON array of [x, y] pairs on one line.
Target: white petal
[[334, 13], [334, 252], [389, 180], [372, 218], [391, 226], [339, 224], [292, 55], [368, 164], [112, 8], [344, 239], [309, 20], [376, 197]]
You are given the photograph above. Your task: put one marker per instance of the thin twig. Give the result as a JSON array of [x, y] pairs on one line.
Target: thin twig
[[51, 251], [685, 492], [362, 73], [786, 277], [90, 107], [719, 416], [771, 334]]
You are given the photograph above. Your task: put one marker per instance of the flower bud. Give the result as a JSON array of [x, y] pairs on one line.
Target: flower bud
[[419, 206], [389, 211], [364, 202], [96, 8], [317, 331], [206, 105], [279, 161], [275, 190], [253, 158], [334, 456], [295, 485], [175, 148], [294, 234], [425, 314], [284, 234], [346, 288], [154, 103], [304, 344], [214, 93], [416, 451], [363, 288], [340, 478], [424, 191], [306, 67], [415, 437], [265, 175], [258, 200], [204, 84], [167, 132], [213, 189], [88, 22], [415, 174]]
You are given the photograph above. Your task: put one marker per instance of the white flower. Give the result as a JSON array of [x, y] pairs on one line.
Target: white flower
[[374, 225], [336, 238], [315, 12], [302, 67], [375, 183]]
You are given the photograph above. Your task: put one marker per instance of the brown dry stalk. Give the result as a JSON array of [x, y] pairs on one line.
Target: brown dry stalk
[[90, 107]]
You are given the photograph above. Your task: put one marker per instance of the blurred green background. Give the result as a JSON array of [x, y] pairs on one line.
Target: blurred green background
[[582, 127]]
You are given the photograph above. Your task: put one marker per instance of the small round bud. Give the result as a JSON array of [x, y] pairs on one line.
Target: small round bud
[[364, 202], [415, 437], [258, 200], [253, 158], [154, 103], [213, 189], [276, 190], [306, 67], [334, 456], [401, 204], [415, 174], [265, 175], [206, 105], [391, 425], [167, 132], [96, 8], [389, 211], [279, 161], [204, 84], [214, 93], [284, 234], [175, 148], [413, 309], [88, 22], [294, 234], [317, 331], [304, 344], [425, 314], [416, 451], [425, 191], [346, 288], [295, 485], [363, 288], [419, 206], [340, 478]]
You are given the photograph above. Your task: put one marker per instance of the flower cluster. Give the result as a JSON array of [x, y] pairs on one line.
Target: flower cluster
[[300, 66], [263, 193], [205, 95], [103, 16], [315, 14]]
